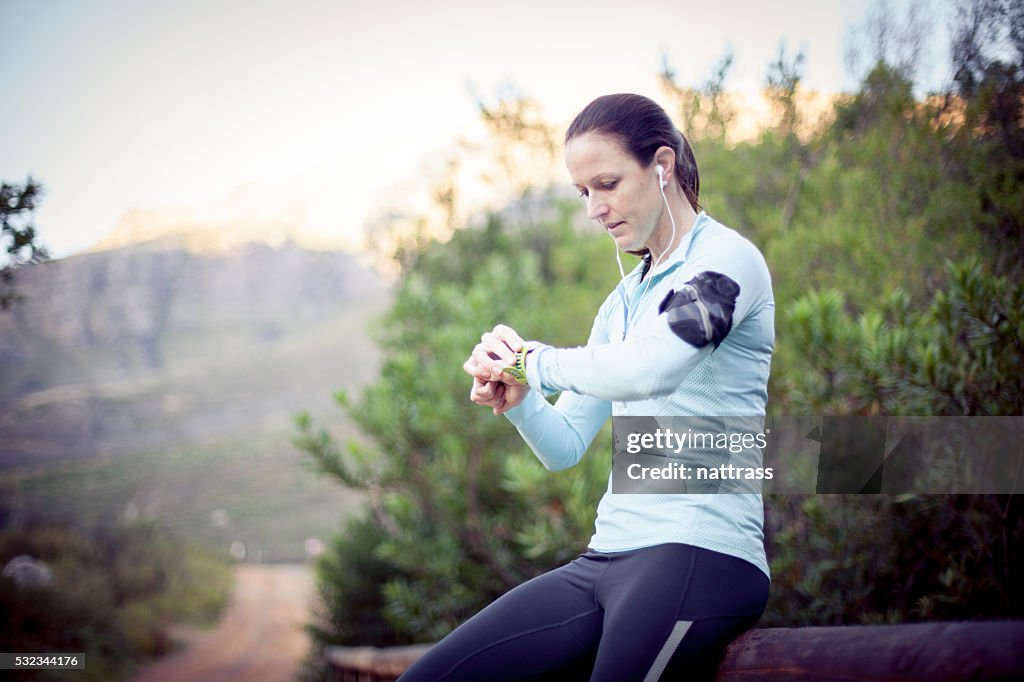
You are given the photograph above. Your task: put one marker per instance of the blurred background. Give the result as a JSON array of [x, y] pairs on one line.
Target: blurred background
[[249, 244]]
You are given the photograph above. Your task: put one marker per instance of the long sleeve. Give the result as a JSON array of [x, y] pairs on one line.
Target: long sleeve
[[651, 361], [638, 368], [559, 434]]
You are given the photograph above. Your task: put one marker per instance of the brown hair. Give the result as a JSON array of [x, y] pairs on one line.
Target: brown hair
[[641, 126]]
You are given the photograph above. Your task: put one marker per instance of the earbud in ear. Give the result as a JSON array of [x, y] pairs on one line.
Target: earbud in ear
[[661, 175]]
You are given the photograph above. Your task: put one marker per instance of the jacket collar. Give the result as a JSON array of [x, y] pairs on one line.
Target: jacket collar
[[674, 259]]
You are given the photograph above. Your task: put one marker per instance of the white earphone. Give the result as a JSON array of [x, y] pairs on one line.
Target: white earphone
[[661, 175]]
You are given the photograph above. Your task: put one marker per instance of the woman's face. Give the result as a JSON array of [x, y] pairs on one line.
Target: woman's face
[[621, 195]]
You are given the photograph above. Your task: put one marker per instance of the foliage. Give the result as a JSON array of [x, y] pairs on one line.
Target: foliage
[[884, 322], [964, 355], [526, 141], [18, 234], [987, 148], [887, 559], [113, 594], [705, 111]]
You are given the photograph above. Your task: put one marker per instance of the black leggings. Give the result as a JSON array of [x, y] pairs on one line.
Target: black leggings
[[661, 612]]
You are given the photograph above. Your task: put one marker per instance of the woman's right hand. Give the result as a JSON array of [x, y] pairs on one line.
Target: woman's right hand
[[496, 351]]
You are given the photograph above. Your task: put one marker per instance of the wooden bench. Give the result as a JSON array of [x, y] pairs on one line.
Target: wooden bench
[[924, 652]]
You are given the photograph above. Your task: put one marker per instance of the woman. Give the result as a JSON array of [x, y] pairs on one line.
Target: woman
[[668, 579]]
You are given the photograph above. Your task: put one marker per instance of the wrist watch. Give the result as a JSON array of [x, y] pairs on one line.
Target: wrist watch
[[518, 370]]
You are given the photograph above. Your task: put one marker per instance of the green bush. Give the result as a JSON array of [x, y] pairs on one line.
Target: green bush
[[112, 595]]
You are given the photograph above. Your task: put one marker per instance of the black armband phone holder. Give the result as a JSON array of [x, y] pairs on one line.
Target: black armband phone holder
[[701, 312]]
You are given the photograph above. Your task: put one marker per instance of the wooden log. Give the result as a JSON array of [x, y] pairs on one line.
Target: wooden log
[[373, 664], [933, 652], [915, 652]]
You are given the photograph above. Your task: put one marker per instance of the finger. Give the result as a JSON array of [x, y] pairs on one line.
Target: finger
[[509, 337], [483, 365], [499, 398], [507, 378], [483, 392], [490, 369], [489, 402], [498, 348], [475, 370]]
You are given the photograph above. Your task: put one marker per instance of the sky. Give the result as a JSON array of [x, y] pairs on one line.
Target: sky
[[321, 112]]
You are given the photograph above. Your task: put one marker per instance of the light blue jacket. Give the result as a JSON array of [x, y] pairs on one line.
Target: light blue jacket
[[634, 365]]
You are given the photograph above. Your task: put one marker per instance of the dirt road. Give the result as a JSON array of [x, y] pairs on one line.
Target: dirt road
[[258, 639]]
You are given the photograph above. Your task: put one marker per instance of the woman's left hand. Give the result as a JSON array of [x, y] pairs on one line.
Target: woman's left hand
[[498, 396]]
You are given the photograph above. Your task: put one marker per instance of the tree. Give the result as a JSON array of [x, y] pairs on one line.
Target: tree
[[783, 82], [18, 235], [706, 111], [893, 326], [986, 145], [885, 38]]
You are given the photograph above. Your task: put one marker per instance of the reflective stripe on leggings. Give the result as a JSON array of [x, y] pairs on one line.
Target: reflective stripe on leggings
[[669, 648]]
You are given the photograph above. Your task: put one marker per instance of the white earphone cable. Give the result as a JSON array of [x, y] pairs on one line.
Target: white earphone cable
[[655, 264], [668, 246]]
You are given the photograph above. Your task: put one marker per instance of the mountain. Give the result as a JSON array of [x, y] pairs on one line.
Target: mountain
[[155, 379]]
